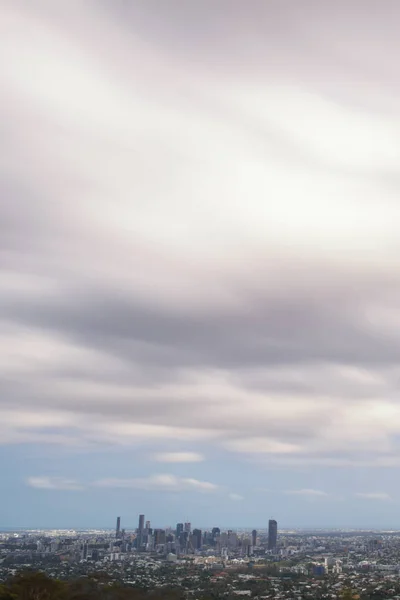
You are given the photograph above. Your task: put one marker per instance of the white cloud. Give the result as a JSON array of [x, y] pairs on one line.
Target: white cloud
[[259, 445], [178, 457], [162, 482], [307, 492], [236, 497], [374, 495], [53, 483]]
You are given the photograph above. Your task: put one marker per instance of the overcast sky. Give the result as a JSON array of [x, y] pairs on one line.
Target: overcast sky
[[200, 262]]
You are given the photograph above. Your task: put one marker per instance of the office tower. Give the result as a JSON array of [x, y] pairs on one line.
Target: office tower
[[140, 532], [183, 539], [159, 536], [215, 535], [141, 523], [84, 551], [179, 529], [254, 537], [188, 527], [196, 539], [272, 534], [147, 524], [246, 546], [118, 528], [232, 540]]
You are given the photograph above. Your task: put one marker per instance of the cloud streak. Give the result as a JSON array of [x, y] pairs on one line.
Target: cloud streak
[[307, 493], [162, 483], [54, 483], [374, 495], [178, 457]]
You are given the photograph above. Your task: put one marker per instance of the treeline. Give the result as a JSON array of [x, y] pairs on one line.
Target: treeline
[[38, 586]]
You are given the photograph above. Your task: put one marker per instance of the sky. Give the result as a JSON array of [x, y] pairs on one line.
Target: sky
[[200, 263]]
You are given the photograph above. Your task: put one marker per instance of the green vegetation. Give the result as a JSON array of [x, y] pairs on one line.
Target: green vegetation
[[37, 586]]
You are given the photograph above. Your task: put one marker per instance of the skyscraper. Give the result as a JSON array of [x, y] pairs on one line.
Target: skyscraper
[[196, 539], [272, 534], [188, 527], [140, 532], [159, 536], [141, 523], [254, 537], [84, 551], [179, 529], [118, 528]]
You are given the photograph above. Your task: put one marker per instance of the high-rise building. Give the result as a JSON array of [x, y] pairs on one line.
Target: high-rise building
[[140, 532], [188, 527], [147, 524], [183, 539], [232, 539], [118, 528], [141, 523], [254, 537], [246, 546], [215, 535], [179, 529], [84, 551], [159, 536], [272, 534], [196, 539]]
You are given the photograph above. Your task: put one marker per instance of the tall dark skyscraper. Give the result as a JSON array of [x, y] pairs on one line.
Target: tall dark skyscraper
[[159, 536], [140, 532], [179, 529], [84, 551], [141, 523], [254, 537], [196, 539], [118, 528], [272, 534]]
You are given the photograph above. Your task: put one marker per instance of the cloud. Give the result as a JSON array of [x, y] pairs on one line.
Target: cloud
[[307, 492], [373, 495], [53, 483], [183, 287], [262, 446], [163, 482], [178, 457], [235, 497]]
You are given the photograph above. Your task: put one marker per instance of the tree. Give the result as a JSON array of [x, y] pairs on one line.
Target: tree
[[6, 594], [36, 586]]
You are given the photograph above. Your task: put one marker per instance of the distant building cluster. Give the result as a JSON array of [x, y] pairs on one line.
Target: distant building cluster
[[257, 563], [183, 540]]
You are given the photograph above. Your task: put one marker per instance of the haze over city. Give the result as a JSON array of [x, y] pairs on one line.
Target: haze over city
[[199, 254]]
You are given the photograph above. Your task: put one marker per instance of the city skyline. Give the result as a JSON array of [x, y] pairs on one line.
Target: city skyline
[[199, 262]]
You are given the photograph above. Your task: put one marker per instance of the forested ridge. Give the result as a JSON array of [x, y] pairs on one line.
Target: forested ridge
[[38, 586]]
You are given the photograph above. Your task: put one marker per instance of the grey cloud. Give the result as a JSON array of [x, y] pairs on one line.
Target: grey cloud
[[238, 322], [265, 331]]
